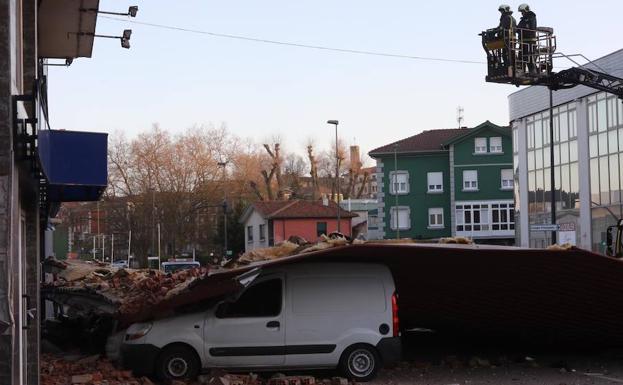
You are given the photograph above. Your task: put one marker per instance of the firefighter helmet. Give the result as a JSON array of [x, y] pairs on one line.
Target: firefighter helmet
[[524, 8], [504, 8]]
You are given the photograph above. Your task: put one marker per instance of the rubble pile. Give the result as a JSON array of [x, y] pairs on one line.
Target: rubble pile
[[130, 290], [293, 246], [92, 370]]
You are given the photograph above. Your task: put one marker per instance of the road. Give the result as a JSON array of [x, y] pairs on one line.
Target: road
[[429, 359]]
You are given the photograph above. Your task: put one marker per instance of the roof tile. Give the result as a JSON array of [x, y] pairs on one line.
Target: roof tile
[[429, 140], [299, 209]]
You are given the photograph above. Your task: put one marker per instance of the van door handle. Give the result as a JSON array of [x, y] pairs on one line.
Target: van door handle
[[273, 324]]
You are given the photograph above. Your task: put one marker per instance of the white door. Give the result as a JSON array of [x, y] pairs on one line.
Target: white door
[[249, 331]]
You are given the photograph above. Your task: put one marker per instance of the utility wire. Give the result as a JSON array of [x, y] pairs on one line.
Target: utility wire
[[292, 44]]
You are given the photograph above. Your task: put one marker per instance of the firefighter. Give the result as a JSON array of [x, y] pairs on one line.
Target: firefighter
[[506, 30], [527, 36]]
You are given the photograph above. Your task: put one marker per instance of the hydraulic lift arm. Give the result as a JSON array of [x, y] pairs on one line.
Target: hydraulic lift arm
[[582, 76]]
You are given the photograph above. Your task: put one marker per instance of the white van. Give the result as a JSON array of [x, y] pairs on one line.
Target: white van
[[300, 316]]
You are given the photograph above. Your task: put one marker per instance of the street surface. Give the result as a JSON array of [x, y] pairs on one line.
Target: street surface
[[429, 359]]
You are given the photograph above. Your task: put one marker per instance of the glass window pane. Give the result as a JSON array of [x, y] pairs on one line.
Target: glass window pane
[[564, 127], [557, 154], [539, 158], [601, 115], [573, 130], [613, 142], [564, 153], [594, 175], [564, 193], [604, 183], [538, 134], [531, 160], [615, 196], [573, 151], [593, 146], [603, 143], [592, 117], [574, 189]]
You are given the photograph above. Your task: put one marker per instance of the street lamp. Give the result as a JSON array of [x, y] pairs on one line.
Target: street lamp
[[224, 165], [337, 172]]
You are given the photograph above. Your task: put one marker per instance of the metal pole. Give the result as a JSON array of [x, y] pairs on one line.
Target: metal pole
[[153, 221], [129, 245], [94, 245], [337, 175], [159, 262], [103, 246], [551, 148], [112, 248], [393, 186]]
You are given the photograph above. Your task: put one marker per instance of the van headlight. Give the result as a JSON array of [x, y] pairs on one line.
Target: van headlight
[[137, 331]]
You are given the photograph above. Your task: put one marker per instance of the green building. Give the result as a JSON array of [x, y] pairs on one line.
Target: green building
[[448, 182]]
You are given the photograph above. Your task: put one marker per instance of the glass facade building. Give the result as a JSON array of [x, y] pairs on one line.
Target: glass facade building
[[587, 164]]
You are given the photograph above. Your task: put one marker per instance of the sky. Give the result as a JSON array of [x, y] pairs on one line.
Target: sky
[[260, 91]]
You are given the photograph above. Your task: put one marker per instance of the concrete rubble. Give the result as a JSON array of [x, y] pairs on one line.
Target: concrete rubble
[[96, 370]]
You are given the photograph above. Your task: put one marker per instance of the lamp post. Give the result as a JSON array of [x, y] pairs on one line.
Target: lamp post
[[337, 172], [224, 165]]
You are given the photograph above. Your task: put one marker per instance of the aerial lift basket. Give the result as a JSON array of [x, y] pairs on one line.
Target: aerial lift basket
[[518, 56]]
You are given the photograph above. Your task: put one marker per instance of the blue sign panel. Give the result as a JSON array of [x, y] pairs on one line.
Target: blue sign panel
[[74, 163]]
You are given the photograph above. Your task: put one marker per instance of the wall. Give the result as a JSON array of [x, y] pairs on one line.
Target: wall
[[306, 227], [255, 220], [19, 261], [418, 200], [488, 166]]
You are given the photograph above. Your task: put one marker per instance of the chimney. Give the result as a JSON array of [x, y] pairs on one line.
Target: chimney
[[355, 159], [325, 200]]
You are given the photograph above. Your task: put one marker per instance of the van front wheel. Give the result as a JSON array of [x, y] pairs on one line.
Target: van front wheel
[[360, 362], [177, 362]]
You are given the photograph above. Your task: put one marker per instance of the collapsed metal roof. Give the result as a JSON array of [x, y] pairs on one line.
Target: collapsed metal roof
[[571, 295]]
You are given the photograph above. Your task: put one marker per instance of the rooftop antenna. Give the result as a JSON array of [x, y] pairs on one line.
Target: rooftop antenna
[[459, 116]]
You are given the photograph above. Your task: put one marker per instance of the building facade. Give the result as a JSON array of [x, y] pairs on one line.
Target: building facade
[[449, 182], [588, 159], [267, 223], [35, 175]]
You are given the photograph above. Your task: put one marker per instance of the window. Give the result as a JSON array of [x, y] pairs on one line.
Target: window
[[435, 218], [507, 179], [260, 300], [399, 182], [435, 182], [480, 145], [249, 234], [495, 144], [400, 218], [321, 228], [470, 180], [503, 216], [472, 217], [262, 232]]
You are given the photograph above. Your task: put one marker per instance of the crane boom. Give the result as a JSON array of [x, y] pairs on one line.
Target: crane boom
[[582, 76]]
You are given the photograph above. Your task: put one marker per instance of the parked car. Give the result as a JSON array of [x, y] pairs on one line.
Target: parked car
[[303, 316], [174, 265], [120, 263]]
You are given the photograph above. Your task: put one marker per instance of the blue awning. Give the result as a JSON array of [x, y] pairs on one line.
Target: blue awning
[[74, 163]]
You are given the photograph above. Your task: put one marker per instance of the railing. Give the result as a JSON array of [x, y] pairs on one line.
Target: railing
[[518, 56]]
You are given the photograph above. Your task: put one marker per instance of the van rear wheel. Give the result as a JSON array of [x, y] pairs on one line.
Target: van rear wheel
[[360, 362], [176, 363]]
